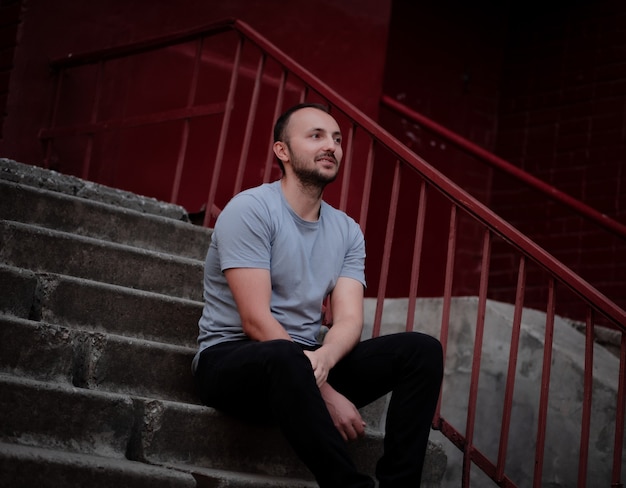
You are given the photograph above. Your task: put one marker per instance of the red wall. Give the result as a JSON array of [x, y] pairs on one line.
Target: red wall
[[444, 61], [563, 118], [342, 42]]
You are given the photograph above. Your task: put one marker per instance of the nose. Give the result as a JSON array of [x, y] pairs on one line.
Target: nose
[[329, 144]]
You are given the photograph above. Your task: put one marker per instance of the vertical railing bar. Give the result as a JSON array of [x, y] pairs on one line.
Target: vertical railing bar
[[93, 120], [384, 268], [347, 169], [477, 356], [58, 84], [304, 94], [616, 478], [367, 186], [417, 256], [587, 398], [277, 111], [191, 96], [545, 384], [223, 134], [245, 146], [510, 381], [447, 296]]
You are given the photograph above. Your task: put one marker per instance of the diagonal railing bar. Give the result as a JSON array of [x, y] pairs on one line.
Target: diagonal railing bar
[[581, 208]]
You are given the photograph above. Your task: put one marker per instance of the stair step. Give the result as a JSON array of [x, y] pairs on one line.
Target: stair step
[[102, 221], [37, 177], [41, 249], [18, 288], [58, 416], [81, 303], [96, 361], [55, 416], [26, 467]]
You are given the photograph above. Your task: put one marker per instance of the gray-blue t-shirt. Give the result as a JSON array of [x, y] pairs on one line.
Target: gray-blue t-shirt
[[258, 229]]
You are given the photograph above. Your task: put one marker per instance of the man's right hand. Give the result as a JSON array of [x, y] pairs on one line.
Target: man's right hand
[[345, 415]]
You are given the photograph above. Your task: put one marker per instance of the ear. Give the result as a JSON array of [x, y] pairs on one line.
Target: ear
[[281, 151]]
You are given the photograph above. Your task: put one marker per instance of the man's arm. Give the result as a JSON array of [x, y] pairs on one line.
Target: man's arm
[[345, 333], [252, 291]]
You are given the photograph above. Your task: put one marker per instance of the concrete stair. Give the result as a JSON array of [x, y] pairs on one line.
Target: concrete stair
[[100, 293]]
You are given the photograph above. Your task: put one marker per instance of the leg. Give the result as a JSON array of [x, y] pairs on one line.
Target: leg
[[242, 376], [411, 366]]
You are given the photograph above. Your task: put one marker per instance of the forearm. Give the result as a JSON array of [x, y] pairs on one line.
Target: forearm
[[265, 328], [340, 340]]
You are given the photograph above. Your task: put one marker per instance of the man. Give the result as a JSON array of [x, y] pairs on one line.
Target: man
[[277, 252]]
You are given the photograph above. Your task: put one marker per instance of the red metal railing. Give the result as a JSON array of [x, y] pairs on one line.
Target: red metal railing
[[386, 166], [578, 207]]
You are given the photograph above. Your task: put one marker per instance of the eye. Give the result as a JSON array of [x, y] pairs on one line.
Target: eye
[[338, 140]]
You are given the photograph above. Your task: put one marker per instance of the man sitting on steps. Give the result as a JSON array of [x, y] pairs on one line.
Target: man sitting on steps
[[277, 252]]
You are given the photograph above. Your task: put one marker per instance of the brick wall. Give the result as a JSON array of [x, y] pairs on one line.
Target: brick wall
[[563, 118]]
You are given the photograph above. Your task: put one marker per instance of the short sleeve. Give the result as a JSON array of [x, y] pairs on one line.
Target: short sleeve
[[354, 261], [243, 234]]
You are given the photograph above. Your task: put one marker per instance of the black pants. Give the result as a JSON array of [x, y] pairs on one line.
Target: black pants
[[275, 379]]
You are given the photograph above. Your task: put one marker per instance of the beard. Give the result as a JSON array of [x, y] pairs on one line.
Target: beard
[[312, 177]]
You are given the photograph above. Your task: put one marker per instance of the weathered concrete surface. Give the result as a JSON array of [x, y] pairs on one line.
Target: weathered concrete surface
[[41, 249], [27, 467], [91, 218], [38, 177], [564, 416]]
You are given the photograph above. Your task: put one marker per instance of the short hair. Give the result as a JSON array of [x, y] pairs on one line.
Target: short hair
[[280, 128]]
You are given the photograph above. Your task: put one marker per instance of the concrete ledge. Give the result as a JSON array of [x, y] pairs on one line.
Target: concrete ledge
[[114, 309], [47, 250], [98, 220], [27, 467], [39, 177]]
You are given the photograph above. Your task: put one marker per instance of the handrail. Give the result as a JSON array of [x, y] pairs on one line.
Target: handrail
[[72, 60], [492, 225], [444, 184], [576, 205]]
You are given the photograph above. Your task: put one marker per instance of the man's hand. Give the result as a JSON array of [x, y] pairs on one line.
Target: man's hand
[[345, 415], [321, 365]]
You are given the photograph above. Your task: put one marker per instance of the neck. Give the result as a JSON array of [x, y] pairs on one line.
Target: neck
[[305, 200]]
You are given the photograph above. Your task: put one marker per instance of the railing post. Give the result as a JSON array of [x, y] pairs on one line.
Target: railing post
[[221, 146], [182, 152], [545, 385]]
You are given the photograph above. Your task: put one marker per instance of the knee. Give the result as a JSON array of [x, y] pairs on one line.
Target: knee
[[426, 351]]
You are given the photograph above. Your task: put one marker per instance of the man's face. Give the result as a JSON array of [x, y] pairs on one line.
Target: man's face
[[313, 139]]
